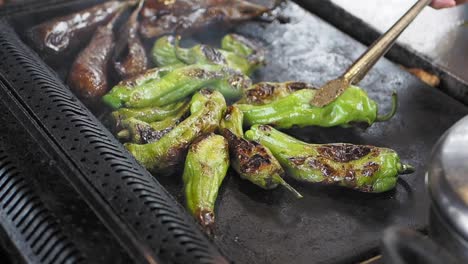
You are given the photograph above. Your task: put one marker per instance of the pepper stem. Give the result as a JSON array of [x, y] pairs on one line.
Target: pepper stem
[[282, 182], [406, 169], [386, 117]]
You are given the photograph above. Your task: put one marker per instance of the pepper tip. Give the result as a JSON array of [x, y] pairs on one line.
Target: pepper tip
[[206, 218], [407, 169]]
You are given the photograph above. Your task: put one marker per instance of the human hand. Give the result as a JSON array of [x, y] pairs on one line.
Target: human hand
[[438, 4]]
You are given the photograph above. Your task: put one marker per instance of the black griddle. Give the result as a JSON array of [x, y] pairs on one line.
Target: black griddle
[[329, 225]]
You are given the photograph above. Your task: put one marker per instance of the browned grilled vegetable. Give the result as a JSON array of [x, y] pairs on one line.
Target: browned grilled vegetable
[[161, 17], [66, 34], [89, 73], [250, 159], [267, 92], [135, 61]]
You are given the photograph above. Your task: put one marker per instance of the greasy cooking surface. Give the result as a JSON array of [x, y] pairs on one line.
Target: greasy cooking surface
[[329, 224]]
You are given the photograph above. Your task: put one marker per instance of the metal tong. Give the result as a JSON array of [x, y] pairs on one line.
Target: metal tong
[[334, 88]]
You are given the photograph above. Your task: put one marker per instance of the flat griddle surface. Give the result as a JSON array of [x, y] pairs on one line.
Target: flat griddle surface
[[331, 225]]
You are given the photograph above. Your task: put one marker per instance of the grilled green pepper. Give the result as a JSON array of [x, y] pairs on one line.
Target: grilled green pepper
[[206, 166], [353, 107], [267, 92], [252, 161], [362, 168], [149, 114], [163, 52], [149, 75], [177, 85], [242, 46], [206, 109], [240, 53], [140, 132]]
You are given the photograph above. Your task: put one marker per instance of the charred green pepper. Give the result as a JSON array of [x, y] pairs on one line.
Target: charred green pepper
[[207, 109], [251, 160], [163, 52], [362, 168], [149, 114], [240, 53], [149, 75], [206, 166], [353, 107], [267, 92], [178, 84], [140, 132]]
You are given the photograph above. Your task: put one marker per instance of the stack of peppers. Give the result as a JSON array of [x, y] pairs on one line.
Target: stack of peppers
[[193, 109]]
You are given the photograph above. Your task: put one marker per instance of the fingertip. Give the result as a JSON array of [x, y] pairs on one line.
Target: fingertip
[[439, 4]]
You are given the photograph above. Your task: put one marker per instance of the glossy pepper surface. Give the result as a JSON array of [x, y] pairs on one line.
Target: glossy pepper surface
[[207, 108], [66, 34], [148, 114], [88, 76], [134, 60], [251, 160], [141, 132], [178, 84], [184, 15], [267, 92], [353, 107], [148, 75], [362, 168], [206, 166], [243, 55]]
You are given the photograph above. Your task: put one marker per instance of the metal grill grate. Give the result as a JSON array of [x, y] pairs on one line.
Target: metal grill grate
[[132, 193], [33, 223]]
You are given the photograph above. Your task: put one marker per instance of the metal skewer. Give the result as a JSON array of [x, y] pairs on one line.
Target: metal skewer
[[334, 88]]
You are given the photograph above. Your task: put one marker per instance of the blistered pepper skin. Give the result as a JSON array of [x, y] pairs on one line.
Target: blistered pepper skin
[[64, 35], [135, 61], [267, 92], [149, 75], [88, 76], [206, 166], [362, 168], [163, 52], [177, 85], [148, 114], [251, 160], [183, 15], [240, 54], [141, 132], [207, 108], [353, 107]]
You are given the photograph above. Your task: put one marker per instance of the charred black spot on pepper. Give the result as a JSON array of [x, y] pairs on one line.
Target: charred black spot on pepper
[[212, 54], [239, 81], [294, 86], [206, 92], [350, 177], [326, 169], [198, 73], [370, 168], [228, 114], [297, 160], [264, 128], [260, 92], [343, 152], [256, 162]]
